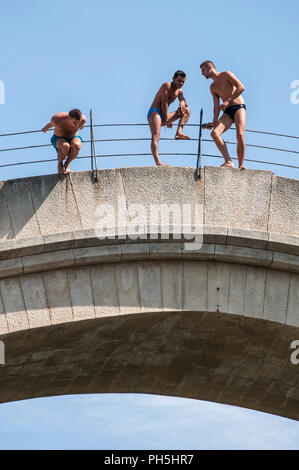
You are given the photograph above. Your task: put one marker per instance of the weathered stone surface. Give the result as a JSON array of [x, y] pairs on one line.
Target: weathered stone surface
[[128, 288], [58, 295], [3, 321], [292, 317], [195, 286], [249, 238], [13, 302], [276, 295], [172, 285], [58, 241], [157, 187], [98, 254], [47, 261], [135, 251], [236, 198], [242, 254], [255, 292], [10, 267], [90, 194], [149, 277], [55, 204], [214, 234], [105, 291], [81, 293], [283, 242], [6, 230], [165, 250], [284, 208], [285, 261], [35, 299], [21, 209], [23, 247]]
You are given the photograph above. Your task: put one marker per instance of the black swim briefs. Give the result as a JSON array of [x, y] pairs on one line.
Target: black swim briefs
[[231, 110]]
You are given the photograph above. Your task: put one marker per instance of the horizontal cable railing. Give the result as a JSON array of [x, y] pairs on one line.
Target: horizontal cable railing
[[140, 139], [94, 156], [146, 125]]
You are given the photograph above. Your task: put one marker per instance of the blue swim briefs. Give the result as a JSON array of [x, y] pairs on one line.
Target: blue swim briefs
[[151, 110], [54, 139]]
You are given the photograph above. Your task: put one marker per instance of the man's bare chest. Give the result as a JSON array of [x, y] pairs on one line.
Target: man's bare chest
[[172, 97], [221, 88]]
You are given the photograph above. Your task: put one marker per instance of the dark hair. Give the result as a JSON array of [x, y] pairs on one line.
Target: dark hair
[[207, 62], [75, 114], [179, 73]]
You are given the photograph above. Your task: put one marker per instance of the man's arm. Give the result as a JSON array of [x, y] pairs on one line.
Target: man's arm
[[183, 103], [233, 80], [55, 121], [164, 98], [217, 108], [216, 101], [49, 125], [83, 121]]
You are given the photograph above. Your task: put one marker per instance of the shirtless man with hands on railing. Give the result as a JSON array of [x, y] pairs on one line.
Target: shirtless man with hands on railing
[[65, 139], [227, 87], [158, 115]]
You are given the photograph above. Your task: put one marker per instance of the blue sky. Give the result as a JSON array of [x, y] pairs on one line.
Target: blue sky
[[139, 422], [113, 56]]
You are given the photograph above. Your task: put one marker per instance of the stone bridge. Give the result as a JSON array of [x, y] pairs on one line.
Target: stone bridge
[[79, 314]]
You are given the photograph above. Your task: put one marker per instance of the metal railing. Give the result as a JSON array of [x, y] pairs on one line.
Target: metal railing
[[199, 154]]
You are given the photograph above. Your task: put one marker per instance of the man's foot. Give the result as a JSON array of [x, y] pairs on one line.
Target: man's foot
[[161, 164], [242, 167], [180, 135], [228, 165], [67, 170], [60, 169]]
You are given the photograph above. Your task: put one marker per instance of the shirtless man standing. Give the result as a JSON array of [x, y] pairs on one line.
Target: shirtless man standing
[[158, 113], [227, 87], [65, 139]]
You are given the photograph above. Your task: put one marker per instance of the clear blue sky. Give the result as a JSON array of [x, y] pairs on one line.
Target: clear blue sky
[[113, 56]]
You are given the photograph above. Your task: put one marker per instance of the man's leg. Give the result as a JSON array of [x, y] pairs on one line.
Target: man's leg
[[174, 116], [155, 122], [223, 125], [63, 149], [76, 145], [240, 121], [184, 119]]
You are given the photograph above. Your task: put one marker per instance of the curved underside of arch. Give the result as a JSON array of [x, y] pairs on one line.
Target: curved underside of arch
[[209, 356]]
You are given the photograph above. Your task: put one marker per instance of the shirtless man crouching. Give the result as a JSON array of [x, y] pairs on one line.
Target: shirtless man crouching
[[158, 113], [227, 87], [65, 139]]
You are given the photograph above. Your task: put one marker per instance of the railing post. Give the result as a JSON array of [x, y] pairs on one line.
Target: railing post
[[93, 153], [199, 152], [91, 140]]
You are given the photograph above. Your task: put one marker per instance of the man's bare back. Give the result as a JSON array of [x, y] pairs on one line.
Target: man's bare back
[[65, 126]]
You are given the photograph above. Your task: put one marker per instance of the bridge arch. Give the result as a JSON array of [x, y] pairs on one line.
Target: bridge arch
[[83, 315]]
